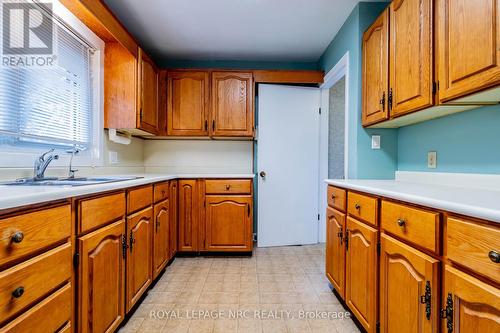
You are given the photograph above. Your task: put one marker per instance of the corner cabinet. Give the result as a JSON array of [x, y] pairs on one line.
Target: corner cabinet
[[148, 94], [228, 223], [188, 95], [101, 282], [468, 46], [375, 71], [188, 215]]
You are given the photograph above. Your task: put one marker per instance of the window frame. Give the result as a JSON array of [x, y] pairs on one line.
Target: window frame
[[24, 156]]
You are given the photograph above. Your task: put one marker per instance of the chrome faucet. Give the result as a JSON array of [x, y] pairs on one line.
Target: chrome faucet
[[42, 162]]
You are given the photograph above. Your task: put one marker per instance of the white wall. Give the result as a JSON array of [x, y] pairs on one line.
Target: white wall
[[197, 156]]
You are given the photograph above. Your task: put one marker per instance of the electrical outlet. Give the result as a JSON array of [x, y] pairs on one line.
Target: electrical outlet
[[375, 141], [432, 160], [113, 157]]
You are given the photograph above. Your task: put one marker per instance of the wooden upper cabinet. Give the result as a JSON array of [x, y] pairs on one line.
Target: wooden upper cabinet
[[408, 289], [468, 46], [139, 260], [375, 71], [228, 223], [232, 104], [335, 249], [101, 283], [410, 56], [188, 215], [361, 272], [470, 305], [147, 117], [187, 103]]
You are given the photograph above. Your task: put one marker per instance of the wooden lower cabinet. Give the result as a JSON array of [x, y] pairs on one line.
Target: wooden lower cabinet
[[188, 215], [101, 283], [408, 289], [161, 236], [228, 223], [139, 272], [335, 249], [469, 304], [361, 272], [173, 199]]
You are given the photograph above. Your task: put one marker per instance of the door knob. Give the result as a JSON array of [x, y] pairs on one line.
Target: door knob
[[262, 174]]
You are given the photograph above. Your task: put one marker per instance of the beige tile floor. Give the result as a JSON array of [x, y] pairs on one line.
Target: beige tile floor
[[280, 289]]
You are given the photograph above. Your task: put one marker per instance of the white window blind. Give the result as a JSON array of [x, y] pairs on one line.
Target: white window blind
[[50, 105]]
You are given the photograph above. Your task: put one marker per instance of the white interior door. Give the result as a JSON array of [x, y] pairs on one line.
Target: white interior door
[[288, 154]]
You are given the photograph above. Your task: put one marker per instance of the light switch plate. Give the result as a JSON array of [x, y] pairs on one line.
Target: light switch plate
[[432, 160], [375, 141]]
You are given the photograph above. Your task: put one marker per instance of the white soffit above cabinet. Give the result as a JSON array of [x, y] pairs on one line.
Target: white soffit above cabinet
[[252, 30]]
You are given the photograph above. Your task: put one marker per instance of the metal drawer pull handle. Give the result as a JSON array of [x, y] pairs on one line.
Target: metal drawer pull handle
[[357, 206], [494, 256], [17, 237], [228, 187], [333, 196], [401, 222], [18, 292]]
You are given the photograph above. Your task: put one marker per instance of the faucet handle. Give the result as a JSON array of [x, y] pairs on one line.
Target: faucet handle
[[42, 157]]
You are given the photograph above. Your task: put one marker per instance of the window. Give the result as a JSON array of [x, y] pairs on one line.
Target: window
[[55, 106]]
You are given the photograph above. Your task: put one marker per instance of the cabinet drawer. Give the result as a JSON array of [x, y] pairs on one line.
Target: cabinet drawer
[[139, 198], [471, 245], [33, 279], [45, 317], [28, 233], [97, 212], [336, 198], [225, 186], [363, 207], [160, 191], [415, 225]]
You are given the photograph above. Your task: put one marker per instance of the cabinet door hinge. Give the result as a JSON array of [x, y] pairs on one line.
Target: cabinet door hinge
[[435, 87], [319, 110], [377, 326], [389, 99], [318, 217], [379, 248], [76, 259], [346, 239], [447, 313], [426, 299], [131, 240]]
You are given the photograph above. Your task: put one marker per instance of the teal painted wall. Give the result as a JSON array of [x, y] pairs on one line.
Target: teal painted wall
[[232, 64], [464, 142], [363, 161]]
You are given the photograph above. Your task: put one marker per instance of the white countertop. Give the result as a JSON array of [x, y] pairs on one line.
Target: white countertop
[[474, 202], [12, 196]]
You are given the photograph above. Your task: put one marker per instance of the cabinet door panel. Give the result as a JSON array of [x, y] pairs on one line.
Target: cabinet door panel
[[228, 223], [187, 103], [335, 250], [404, 275], [468, 46], [410, 55], [139, 272], [232, 104], [101, 287], [361, 272], [188, 215], [148, 94], [376, 71], [161, 239], [476, 305]]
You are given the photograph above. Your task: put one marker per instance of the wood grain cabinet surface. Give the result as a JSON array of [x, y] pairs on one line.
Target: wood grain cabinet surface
[[232, 111], [469, 305], [375, 81], [139, 255], [228, 223], [188, 95], [335, 249], [161, 236], [188, 215], [101, 282], [147, 117], [408, 289], [173, 199], [336, 198], [361, 272], [468, 46]]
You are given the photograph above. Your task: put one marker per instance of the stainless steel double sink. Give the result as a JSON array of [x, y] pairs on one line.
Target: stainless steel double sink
[[77, 181]]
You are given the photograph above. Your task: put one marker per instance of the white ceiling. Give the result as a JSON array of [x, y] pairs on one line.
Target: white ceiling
[[252, 30]]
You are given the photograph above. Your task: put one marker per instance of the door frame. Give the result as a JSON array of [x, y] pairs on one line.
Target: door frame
[[339, 71]]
